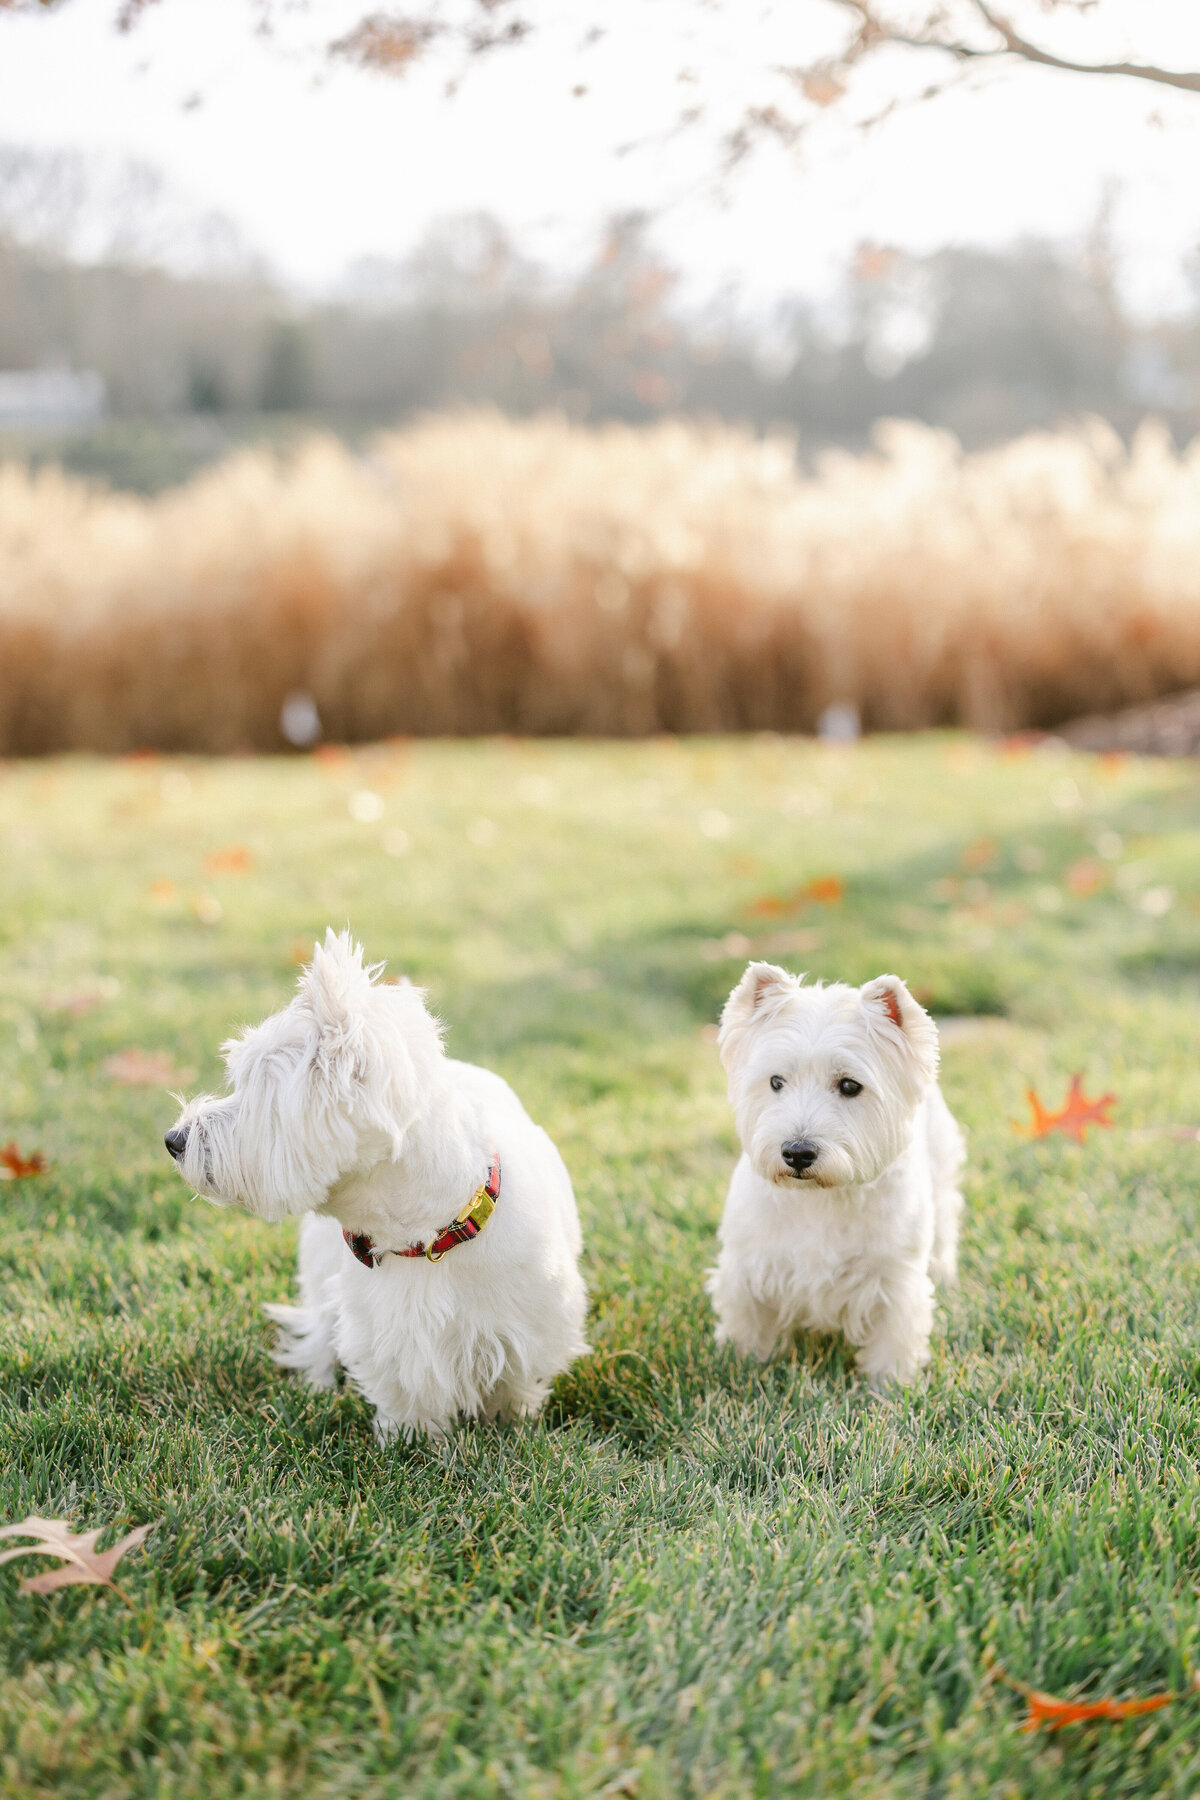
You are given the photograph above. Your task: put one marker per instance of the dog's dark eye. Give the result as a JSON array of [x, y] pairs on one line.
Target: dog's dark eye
[[777, 1082], [848, 1089]]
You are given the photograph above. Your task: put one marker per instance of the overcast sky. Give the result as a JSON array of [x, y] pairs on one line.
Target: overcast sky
[[319, 163]]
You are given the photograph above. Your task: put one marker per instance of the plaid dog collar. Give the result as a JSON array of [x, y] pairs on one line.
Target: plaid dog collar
[[469, 1223]]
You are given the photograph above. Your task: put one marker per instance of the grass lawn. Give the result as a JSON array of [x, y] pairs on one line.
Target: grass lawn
[[693, 1576]]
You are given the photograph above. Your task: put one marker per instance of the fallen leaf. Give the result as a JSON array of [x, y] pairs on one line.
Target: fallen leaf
[[1072, 1119], [823, 890], [234, 859], [979, 855], [141, 1068], [85, 1566], [1086, 877], [75, 1002], [14, 1166]]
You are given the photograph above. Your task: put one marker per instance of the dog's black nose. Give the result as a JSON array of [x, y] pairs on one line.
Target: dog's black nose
[[176, 1140], [799, 1155]]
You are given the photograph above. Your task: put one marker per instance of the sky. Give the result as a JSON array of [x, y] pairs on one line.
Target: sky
[[320, 164]]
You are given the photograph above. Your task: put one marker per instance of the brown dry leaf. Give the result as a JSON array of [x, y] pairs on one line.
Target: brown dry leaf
[[979, 855], [1072, 1119], [387, 42], [84, 1565], [1086, 877], [234, 859], [14, 1166], [1046, 1712], [142, 1068], [823, 890]]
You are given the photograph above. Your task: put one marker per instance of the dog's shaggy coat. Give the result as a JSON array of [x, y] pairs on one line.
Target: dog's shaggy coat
[[345, 1108], [843, 1210]]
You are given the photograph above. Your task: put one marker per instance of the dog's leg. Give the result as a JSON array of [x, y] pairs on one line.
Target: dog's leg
[[895, 1342], [306, 1337], [513, 1399], [750, 1324]]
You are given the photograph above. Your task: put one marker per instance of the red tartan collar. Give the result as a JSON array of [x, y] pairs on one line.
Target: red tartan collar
[[469, 1223]]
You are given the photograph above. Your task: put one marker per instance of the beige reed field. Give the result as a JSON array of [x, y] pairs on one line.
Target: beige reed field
[[474, 574]]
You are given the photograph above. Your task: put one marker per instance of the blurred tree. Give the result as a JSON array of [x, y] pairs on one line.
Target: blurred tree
[[287, 384], [967, 32]]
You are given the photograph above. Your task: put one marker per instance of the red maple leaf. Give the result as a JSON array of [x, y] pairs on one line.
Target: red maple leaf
[[19, 1166], [1072, 1119]]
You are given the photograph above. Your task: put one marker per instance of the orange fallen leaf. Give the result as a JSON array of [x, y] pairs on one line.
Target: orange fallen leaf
[[234, 859], [823, 890], [1086, 877], [1072, 1119], [85, 1566], [1018, 743], [1048, 1713], [15, 1167], [140, 1068], [979, 855]]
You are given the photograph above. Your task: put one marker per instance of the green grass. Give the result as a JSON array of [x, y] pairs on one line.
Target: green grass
[[693, 1576]]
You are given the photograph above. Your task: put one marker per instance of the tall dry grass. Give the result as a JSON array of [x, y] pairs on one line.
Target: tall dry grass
[[474, 574]]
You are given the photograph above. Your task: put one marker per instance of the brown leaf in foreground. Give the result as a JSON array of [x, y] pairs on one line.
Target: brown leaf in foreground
[[139, 1068], [14, 1166], [1050, 1714], [83, 1564], [1072, 1119]]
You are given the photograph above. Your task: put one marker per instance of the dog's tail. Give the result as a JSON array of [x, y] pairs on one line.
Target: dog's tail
[[305, 1343]]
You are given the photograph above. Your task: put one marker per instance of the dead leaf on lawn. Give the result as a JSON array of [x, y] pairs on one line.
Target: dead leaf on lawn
[[1073, 1118], [822, 890], [234, 859], [1048, 1713], [142, 1068], [15, 1167], [83, 1564], [75, 1002]]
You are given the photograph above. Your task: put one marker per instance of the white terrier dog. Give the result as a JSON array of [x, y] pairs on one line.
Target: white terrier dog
[[439, 1248], [843, 1210]]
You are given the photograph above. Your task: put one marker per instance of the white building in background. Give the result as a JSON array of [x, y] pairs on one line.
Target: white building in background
[[51, 399]]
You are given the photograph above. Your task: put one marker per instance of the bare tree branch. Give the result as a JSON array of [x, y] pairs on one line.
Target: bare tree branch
[[874, 31]]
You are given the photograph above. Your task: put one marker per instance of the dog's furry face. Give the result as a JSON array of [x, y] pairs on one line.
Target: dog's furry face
[[323, 1090], [824, 1081]]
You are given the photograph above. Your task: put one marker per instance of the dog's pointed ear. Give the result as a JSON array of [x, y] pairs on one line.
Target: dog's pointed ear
[[761, 991], [892, 1010], [335, 980]]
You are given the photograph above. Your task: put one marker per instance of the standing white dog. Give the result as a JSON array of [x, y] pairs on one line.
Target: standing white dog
[[439, 1251], [843, 1210]]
